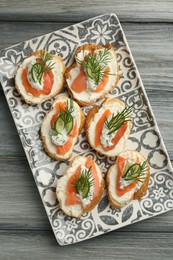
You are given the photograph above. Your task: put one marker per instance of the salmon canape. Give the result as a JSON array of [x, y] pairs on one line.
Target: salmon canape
[[81, 188], [93, 74], [40, 77], [60, 128], [128, 178], [108, 127]]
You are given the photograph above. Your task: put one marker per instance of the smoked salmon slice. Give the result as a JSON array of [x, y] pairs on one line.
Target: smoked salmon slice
[[48, 78], [117, 137], [71, 196], [80, 82], [90, 163], [71, 191], [99, 127], [103, 81], [59, 105], [120, 165], [62, 149], [98, 131], [74, 131]]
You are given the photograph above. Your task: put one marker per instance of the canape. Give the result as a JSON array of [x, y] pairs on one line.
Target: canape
[[93, 74], [60, 128], [108, 127], [40, 77], [80, 188], [128, 178]]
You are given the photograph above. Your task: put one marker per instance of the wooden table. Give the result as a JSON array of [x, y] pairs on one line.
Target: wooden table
[[25, 232]]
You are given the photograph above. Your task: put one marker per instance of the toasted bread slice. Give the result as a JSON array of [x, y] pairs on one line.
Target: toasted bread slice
[[95, 126], [82, 82], [75, 198], [51, 81], [56, 150], [122, 191]]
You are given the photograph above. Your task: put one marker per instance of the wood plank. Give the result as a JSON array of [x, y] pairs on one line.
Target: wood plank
[[151, 47], [80, 10], [22, 208], [13, 33], [149, 37], [117, 245], [162, 105], [10, 144], [21, 205]]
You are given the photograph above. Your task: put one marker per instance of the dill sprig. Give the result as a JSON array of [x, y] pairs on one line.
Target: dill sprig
[[41, 66], [135, 172], [65, 119], [118, 120], [95, 65], [84, 183], [66, 115]]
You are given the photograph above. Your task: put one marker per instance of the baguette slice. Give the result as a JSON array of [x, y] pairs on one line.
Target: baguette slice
[[94, 127], [52, 84], [46, 129], [123, 197], [69, 199], [84, 90]]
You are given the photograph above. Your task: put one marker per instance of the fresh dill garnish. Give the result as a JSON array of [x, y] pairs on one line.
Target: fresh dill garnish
[[95, 65], [118, 120], [135, 172], [65, 119], [66, 115], [41, 66], [84, 183]]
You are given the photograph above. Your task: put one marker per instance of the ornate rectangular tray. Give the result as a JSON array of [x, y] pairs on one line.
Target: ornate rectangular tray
[[145, 136]]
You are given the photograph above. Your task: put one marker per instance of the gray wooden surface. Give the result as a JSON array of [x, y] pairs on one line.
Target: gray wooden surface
[[25, 232]]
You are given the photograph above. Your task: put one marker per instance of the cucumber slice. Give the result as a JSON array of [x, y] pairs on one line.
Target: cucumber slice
[[135, 170], [85, 191], [125, 169], [82, 188], [59, 125], [90, 73], [132, 172], [69, 126]]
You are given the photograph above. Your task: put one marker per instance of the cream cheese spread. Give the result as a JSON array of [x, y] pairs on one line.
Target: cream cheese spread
[[113, 178], [87, 200], [35, 84], [75, 209], [27, 63], [104, 138], [46, 127], [89, 95], [59, 139]]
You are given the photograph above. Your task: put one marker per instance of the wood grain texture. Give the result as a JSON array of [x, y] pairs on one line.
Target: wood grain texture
[[21, 205], [22, 208], [25, 231], [63, 10], [13, 33], [161, 102], [117, 245], [151, 47]]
